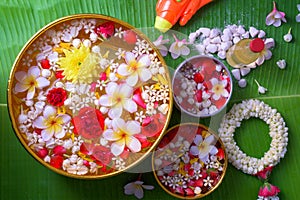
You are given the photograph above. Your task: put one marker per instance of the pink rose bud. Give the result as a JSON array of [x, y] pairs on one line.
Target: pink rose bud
[[268, 190], [59, 150]]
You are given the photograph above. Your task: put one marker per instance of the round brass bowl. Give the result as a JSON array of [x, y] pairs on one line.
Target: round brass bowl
[[74, 59], [181, 171], [202, 96]]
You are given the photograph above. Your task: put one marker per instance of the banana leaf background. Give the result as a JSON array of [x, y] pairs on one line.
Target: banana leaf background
[[22, 177]]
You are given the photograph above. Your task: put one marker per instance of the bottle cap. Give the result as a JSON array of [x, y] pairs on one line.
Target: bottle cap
[[257, 45]]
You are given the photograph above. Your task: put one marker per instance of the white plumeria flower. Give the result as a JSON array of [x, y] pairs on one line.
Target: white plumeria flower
[[30, 81], [261, 89], [136, 188], [51, 123], [178, 48], [135, 69], [160, 44], [219, 88], [122, 135], [204, 147], [118, 97]]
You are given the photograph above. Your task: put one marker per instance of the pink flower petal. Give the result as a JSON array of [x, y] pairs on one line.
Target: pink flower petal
[[60, 134], [126, 90], [132, 79], [42, 82], [115, 112], [268, 55], [129, 57], [65, 118], [133, 144], [49, 111], [185, 50], [130, 106], [34, 71], [277, 23], [111, 88], [145, 75], [39, 123], [139, 192], [118, 147], [133, 127], [144, 60], [118, 123], [110, 135], [105, 100], [21, 87], [123, 70], [225, 93], [47, 134], [20, 76], [30, 92], [270, 20]]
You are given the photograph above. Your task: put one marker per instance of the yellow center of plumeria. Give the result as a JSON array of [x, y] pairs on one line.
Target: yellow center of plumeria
[[54, 123], [218, 89]]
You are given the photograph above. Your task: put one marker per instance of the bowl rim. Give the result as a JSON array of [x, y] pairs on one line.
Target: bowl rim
[[225, 163], [178, 105], [10, 94]]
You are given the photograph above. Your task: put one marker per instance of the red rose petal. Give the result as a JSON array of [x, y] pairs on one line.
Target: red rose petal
[[45, 64], [130, 37], [59, 75], [42, 153], [59, 150], [56, 161]]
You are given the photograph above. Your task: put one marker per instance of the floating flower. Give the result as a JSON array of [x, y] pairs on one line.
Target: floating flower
[[56, 161], [219, 88], [288, 37], [160, 44], [178, 48], [57, 96], [79, 65], [135, 69], [122, 135], [275, 17], [298, 16], [30, 81], [129, 36], [268, 190], [118, 97], [204, 147], [136, 188], [89, 123], [261, 89], [106, 29], [51, 123]]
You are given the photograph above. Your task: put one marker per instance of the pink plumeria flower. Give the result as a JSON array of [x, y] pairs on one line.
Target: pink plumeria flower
[[178, 48], [275, 17], [219, 88], [204, 147], [122, 134], [136, 188], [30, 81], [51, 123], [160, 44], [135, 69], [118, 97]]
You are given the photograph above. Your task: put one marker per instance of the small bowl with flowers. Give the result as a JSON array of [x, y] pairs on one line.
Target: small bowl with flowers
[[190, 161], [202, 86]]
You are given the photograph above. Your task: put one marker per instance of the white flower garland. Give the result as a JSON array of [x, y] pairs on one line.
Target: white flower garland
[[278, 133]]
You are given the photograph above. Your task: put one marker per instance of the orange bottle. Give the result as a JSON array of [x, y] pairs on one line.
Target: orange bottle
[[169, 11]]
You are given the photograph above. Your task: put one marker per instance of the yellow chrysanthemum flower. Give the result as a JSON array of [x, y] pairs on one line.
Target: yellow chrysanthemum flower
[[79, 65]]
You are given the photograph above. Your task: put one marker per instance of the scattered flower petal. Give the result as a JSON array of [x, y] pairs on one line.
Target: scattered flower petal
[[178, 48]]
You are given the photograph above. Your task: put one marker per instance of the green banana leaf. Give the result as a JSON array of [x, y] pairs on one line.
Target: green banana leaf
[[22, 177]]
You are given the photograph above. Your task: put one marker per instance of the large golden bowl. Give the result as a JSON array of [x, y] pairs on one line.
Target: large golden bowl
[[89, 96]]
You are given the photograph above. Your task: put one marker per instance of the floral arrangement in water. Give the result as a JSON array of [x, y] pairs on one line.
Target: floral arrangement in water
[[190, 161], [94, 96]]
